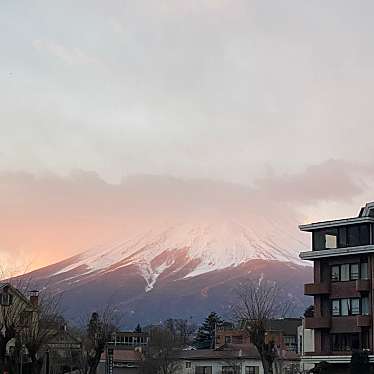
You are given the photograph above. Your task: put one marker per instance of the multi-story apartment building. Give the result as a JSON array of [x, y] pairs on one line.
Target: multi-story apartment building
[[343, 255]]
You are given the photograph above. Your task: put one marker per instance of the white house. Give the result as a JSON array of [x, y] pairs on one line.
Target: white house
[[232, 360]]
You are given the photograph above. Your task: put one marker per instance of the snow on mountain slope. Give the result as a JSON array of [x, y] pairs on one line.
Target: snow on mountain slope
[[215, 245]]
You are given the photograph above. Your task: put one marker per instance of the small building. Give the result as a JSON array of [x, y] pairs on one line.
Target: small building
[[124, 354], [228, 333], [229, 359], [283, 332]]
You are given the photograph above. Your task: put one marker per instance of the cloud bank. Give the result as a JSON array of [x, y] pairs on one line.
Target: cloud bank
[[46, 218]]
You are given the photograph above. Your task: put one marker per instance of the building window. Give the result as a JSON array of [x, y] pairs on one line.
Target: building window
[[354, 272], [344, 272], [336, 308], [252, 369], [340, 237], [358, 235], [290, 343], [188, 365], [364, 270], [355, 307], [5, 299], [344, 307], [335, 273], [228, 339], [365, 306], [344, 342], [349, 307], [230, 369], [349, 272], [325, 239], [203, 370]]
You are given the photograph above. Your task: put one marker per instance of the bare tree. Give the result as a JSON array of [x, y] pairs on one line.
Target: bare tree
[[161, 356], [37, 329], [258, 303], [181, 328], [97, 332]]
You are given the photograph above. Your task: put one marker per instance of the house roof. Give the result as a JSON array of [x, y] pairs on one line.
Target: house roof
[[125, 355], [366, 215], [226, 352], [16, 291]]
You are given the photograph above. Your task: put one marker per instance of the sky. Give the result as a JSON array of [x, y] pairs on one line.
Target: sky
[[271, 95]]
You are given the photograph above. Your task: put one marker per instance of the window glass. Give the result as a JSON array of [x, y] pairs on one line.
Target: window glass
[[335, 308], [365, 306], [342, 236], [335, 273], [354, 271], [325, 239], [252, 370], [318, 240], [203, 370], [364, 270], [354, 235], [364, 234], [344, 342], [230, 369], [344, 272], [331, 241], [344, 307], [188, 365], [355, 307]]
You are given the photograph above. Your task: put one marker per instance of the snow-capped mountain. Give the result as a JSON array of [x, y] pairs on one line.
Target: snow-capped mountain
[[184, 250], [196, 267], [210, 247]]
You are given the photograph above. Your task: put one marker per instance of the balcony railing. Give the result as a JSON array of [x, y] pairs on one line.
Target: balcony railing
[[317, 322], [363, 321], [317, 288]]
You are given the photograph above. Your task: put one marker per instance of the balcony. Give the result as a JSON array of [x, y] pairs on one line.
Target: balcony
[[312, 289], [363, 321], [362, 285], [317, 322]]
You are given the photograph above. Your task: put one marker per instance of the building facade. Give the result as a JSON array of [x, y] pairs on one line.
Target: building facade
[[343, 256], [243, 359]]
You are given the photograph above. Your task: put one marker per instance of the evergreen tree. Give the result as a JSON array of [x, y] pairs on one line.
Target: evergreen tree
[[205, 337], [138, 328]]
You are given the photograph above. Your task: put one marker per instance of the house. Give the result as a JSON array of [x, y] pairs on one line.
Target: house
[[343, 256], [282, 331], [17, 314], [116, 360], [228, 333], [229, 359], [124, 354], [63, 352]]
